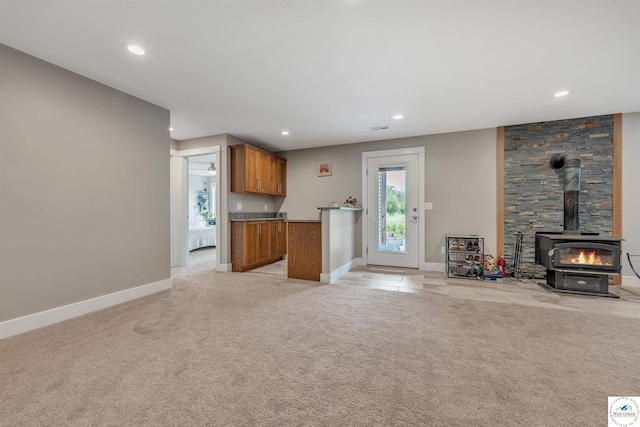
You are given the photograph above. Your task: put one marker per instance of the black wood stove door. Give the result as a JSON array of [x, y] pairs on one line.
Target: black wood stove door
[[586, 256]]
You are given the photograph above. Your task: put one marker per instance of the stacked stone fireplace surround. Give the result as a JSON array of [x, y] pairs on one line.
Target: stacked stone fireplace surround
[[533, 193]]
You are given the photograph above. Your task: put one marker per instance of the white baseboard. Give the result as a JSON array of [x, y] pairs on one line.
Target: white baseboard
[[338, 272], [630, 281], [434, 266], [33, 321], [223, 267]]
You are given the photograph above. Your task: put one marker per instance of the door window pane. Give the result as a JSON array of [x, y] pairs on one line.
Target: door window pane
[[392, 208]]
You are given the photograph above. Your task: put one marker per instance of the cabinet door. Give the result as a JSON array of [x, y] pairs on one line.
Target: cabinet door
[[252, 242], [252, 160], [281, 185], [266, 238], [273, 175], [281, 240]]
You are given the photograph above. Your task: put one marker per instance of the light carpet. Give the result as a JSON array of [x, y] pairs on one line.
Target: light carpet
[[233, 349]]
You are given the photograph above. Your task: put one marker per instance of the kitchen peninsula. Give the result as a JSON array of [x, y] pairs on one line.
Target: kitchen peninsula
[[324, 249]]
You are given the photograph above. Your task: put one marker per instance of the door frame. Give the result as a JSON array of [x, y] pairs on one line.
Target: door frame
[[366, 155], [180, 203]]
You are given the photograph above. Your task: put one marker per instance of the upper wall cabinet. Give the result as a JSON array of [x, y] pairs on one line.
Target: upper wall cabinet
[[257, 171]]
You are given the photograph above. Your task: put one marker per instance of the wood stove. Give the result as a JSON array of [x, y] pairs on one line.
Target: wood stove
[[576, 262]]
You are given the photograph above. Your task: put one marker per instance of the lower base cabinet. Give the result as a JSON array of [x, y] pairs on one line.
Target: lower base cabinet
[[256, 243], [304, 257]]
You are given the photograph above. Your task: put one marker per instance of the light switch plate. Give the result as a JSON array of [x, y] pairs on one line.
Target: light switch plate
[[266, 207], [239, 206], [428, 206]]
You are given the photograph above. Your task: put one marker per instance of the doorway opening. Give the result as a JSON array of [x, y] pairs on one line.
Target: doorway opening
[[196, 202], [201, 183]]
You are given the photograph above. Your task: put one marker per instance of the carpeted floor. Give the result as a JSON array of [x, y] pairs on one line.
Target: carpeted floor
[[258, 349]]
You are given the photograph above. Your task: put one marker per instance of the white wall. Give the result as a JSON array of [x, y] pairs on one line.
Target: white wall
[[70, 145], [630, 196], [460, 181], [344, 244]]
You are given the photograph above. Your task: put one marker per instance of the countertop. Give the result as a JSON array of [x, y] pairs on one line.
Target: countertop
[[304, 220], [256, 219], [341, 208]]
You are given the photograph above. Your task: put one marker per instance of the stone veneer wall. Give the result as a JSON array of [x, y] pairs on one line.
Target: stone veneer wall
[[533, 192]]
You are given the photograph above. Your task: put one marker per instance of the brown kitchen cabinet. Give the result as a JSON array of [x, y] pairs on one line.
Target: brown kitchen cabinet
[[256, 243], [304, 254], [281, 238], [257, 171]]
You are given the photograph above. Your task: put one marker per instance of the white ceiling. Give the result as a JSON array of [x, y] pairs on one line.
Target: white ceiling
[[329, 70]]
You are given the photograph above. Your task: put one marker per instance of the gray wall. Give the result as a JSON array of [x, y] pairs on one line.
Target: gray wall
[[630, 195], [71, 145], [460, 181]]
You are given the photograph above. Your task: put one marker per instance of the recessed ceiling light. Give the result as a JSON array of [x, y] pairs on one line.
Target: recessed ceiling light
[[170, 129], [561, 93], [398, 117], [285, 132], [136, 50]]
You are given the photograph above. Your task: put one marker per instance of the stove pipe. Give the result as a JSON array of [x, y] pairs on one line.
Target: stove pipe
[[571, 165]]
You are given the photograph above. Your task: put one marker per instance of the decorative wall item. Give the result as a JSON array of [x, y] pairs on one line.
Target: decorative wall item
[[533, 193], [324, 168]]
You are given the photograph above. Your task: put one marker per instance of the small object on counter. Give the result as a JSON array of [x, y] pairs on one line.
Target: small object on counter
[[333, 205], [351, 202]]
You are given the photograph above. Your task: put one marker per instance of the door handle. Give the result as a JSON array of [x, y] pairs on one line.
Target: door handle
[[415, 217]]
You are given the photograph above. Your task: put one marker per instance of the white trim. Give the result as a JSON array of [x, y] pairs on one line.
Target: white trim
[[338, 272], [196, 151], [630, 281], [181, 234], [223, 267], [179, 211], [30, 322], [420, 151], [393, 152], [434, 266]]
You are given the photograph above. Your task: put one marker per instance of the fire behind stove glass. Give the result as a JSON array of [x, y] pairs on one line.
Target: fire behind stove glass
[[586, 256]]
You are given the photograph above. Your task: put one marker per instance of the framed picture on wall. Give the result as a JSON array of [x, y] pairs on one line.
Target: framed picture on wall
[[324, 168]]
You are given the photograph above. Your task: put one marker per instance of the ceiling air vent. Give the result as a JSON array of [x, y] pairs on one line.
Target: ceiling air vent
[[380, 127]]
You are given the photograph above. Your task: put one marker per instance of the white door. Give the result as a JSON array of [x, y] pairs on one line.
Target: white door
[[393, 213]]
